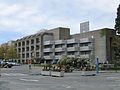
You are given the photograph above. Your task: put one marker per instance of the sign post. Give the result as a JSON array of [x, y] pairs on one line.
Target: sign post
[[97, 65], [29, 63]]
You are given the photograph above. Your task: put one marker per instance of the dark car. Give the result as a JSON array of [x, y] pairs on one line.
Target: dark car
[[5, 65], [13, 63]]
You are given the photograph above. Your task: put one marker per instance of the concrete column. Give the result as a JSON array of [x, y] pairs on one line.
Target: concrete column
[[35, 47], [79, 48], [65, 48], [30, 49], [53, 47], [25, 51], [39, 48], [21, 53]]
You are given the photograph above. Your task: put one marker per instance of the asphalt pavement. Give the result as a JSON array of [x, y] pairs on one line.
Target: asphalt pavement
[[21, 78]]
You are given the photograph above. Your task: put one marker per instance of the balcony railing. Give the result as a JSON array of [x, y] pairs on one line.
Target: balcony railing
[[85, 56], [60, 49], [86, 48], [49, 57], [48, 42], [59, 56], [60, 42], [73, 49], [72, 41], [85, 40], [72, 55], [48, 50]]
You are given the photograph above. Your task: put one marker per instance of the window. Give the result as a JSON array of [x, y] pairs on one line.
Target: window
[[59, 46], [19, 44], [23, 43], [19, 50], [32, 48], [37, 54], [23, 49], [27, 49], [37, 40], [85, 53], [58, 53], [71, 53], [37, 47], [48, 46], [27, 42], [32, 41], [23, 55], [69, 45], [27, 55]]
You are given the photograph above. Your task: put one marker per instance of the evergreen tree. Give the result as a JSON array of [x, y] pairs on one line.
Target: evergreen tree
[[116, 51], [116, 48], [117, 20]]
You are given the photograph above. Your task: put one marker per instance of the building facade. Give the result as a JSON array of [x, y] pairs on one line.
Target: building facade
[[57, 43], [56, 49]]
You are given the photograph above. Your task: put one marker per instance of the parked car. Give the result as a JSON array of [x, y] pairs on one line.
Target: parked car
[[13, 63], [5, 65]]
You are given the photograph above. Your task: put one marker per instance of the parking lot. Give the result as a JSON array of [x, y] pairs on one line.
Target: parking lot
[[20, 78]]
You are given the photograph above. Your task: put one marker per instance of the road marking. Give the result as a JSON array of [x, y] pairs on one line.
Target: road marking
[[112, 78], [68, 87], [5, 74], [14, 74], [60, 86], [29, 80]]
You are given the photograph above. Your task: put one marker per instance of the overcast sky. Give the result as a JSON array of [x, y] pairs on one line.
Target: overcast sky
[[19, 18]]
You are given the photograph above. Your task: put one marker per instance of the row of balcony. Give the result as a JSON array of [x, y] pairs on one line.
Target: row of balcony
[[85, 48], [83, 40], [60, 56]]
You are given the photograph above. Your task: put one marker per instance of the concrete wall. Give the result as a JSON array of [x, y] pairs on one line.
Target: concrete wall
[[60, 33], [47, 37], [101, 43]]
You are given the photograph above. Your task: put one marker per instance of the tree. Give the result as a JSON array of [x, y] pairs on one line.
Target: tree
[[116, 50], [2, 52], [117, 20], [63, 61], [116, 47], [11, 53], [39, 60], [74, 61]]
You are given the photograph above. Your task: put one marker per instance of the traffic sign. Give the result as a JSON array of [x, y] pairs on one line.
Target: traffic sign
[[29, 61]]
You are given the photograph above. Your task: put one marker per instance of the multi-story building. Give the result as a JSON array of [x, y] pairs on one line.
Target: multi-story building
[[56, 49], [57, 43]]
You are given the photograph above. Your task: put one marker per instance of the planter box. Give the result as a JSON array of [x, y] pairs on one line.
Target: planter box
[[46, 73], [88, 73], [57, 74]]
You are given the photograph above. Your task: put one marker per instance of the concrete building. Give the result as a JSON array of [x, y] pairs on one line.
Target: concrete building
[[57, 43]]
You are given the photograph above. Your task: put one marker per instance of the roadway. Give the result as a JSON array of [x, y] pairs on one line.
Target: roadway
[[20, 78]]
